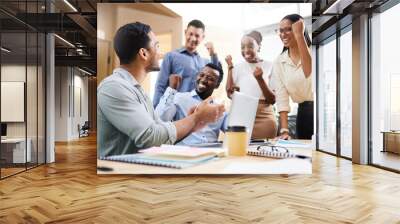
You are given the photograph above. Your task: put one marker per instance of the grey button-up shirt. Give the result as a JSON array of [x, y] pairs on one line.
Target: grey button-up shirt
[[126, 119]]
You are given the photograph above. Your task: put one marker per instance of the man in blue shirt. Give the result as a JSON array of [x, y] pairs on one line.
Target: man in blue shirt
[[175, 105], [185, 61]]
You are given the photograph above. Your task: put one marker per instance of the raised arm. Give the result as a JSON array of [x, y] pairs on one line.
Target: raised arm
[[166, 108], [230, 85], [304, 51], [268, 94]]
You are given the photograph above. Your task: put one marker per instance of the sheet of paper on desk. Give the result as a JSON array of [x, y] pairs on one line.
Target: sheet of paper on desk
[[184, 151], [281, 166], [293, 144]]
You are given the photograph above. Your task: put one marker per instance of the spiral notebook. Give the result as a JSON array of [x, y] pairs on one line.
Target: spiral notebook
[[157, 160], [272, 154]]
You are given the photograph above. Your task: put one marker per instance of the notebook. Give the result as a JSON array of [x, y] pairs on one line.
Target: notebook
[[270, 153], [157, 160], [172, 156]]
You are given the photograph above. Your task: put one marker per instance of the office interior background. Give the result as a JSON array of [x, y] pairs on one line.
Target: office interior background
[[50, 68]]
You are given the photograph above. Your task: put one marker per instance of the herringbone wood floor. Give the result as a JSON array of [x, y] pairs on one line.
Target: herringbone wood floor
[[69, 191]]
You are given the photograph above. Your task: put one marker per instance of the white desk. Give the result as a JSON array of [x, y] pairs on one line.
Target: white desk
[[224, 165], [17, 147]]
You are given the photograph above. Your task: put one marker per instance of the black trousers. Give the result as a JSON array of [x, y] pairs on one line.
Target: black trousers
[[305, 120]]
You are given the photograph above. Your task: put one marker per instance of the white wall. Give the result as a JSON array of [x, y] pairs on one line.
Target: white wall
[[67, 115]]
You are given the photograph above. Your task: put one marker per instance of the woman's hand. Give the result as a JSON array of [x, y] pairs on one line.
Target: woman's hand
[[228, 60], [232, 90], [298, 28], [284, 136]]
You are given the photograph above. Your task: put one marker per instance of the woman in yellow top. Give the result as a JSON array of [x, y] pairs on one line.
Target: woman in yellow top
[[291, 76], [252, 78]]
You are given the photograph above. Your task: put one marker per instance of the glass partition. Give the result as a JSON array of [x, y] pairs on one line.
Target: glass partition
[[327, 96]]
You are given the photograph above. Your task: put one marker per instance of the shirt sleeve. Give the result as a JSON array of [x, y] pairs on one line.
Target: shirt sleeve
[[224, 125], [215, 61], [166, 108], [281, 93], [126, 111], [162, 79]]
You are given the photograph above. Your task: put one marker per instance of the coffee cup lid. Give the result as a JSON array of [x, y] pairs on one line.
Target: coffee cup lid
[[236, 129]]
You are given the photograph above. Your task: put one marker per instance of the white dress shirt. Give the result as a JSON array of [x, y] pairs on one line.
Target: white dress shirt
[[287, 80]]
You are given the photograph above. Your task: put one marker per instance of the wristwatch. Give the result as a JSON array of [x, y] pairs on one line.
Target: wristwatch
[[230, 67], [283, 130]]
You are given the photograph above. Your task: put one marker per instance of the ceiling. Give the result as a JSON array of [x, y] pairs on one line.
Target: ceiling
[[76, 23]]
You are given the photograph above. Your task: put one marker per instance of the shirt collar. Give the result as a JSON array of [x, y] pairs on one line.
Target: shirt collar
[[286, 59], [194, 94], [126, 75], [184, 50]]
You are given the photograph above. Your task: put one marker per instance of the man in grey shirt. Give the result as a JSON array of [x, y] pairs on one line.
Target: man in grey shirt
[[125, 115]]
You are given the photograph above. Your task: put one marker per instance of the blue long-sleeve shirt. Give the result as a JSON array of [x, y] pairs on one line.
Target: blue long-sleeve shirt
[[183, 63], [175, 106]]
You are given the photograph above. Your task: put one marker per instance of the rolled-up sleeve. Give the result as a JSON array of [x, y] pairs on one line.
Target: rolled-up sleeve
[[126, 111], [281, 93], [166, 108]]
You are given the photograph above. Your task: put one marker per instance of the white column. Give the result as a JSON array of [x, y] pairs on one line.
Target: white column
[[50, 99], [360, 90]]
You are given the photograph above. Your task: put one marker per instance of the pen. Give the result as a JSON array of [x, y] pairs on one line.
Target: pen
[[104, 168]]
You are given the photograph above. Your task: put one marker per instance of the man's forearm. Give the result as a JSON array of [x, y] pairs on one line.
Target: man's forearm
[[185, 126]]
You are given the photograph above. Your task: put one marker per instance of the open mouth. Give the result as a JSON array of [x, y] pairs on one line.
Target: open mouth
[[285, 40], [202, 86], [248, 56]]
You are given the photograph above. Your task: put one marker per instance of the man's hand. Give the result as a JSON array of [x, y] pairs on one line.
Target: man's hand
[[258, 72], [298, 28], [207, 113], [210, 48], [228, 60], [175, 81]]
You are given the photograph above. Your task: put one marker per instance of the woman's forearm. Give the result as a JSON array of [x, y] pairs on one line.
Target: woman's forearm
[[305, 55], [283, 119], [268, 94], [229, 83]]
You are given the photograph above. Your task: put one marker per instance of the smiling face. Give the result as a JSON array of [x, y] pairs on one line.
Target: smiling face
[[249, 48], [154, 54], [193, 37], [286, 34], [207, 81]]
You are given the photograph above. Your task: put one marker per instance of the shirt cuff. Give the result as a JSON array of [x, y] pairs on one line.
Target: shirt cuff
[[171, 129], [170, 90], [281, 108]]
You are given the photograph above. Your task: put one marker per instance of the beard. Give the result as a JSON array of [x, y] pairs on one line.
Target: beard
[[153, 67]]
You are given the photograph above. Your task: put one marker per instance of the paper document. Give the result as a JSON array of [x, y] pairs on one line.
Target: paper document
[[293, 144], [282, 166]]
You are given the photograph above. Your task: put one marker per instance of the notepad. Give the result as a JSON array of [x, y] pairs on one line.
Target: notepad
[[158, 160], [183, 151], [272, 154]]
